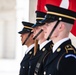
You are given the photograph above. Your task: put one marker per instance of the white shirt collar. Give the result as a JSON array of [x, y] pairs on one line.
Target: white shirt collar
[[44, 43], [59, 43], [29, 48]]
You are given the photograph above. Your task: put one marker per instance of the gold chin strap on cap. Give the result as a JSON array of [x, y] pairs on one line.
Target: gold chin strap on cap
[[36, 46]]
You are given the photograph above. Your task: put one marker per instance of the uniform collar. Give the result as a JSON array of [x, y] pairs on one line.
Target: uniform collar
[[56, 45], [44, 43], [29, 48]]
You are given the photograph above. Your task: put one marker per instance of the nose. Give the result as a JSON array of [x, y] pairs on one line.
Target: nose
[[32, 30], [21, 35]]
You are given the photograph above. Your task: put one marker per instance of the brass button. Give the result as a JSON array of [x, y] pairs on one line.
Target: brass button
[[60, 18], [67, 46], [35, 74], [30, 52], [43, 49], [23, 66], [59, 49], [44, 72], [29, 66]]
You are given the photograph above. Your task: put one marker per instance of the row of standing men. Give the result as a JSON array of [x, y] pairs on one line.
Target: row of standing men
[[54, 56]]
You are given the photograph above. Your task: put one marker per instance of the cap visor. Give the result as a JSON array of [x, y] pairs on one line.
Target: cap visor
[[47, 20], [38, 24], [22, 32]]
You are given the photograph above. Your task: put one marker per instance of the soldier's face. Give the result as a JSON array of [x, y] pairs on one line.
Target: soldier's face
[[47, 28], [36, 30], [23, 37]]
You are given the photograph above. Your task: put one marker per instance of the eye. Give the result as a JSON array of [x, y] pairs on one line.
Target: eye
[[36, 27], [47, 24]]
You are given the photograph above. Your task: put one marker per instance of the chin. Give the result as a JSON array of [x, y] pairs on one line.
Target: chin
[[45, 37]]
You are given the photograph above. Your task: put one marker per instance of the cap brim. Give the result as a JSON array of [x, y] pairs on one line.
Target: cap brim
[[24, 30], [38, 24], [27, 24], [47, 20], [20, 32]]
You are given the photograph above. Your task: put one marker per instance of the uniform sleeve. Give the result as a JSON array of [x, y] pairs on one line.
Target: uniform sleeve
[[67, 65]]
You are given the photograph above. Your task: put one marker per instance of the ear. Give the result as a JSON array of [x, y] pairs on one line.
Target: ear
[[61, 26]]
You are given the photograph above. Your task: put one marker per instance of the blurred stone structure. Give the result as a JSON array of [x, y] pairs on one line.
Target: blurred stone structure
[[7, 28]]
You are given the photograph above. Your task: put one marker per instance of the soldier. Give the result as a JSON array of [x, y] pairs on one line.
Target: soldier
[[27, 39], [43, 44], [59, 22]]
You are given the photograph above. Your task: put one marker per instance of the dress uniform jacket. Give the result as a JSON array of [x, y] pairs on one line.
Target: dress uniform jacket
[[62, 61], [34, 59], [48, 50], [24, 63]]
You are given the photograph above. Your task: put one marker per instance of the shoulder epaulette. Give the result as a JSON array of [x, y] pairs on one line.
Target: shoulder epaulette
[[69, 48], [51, 46]]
